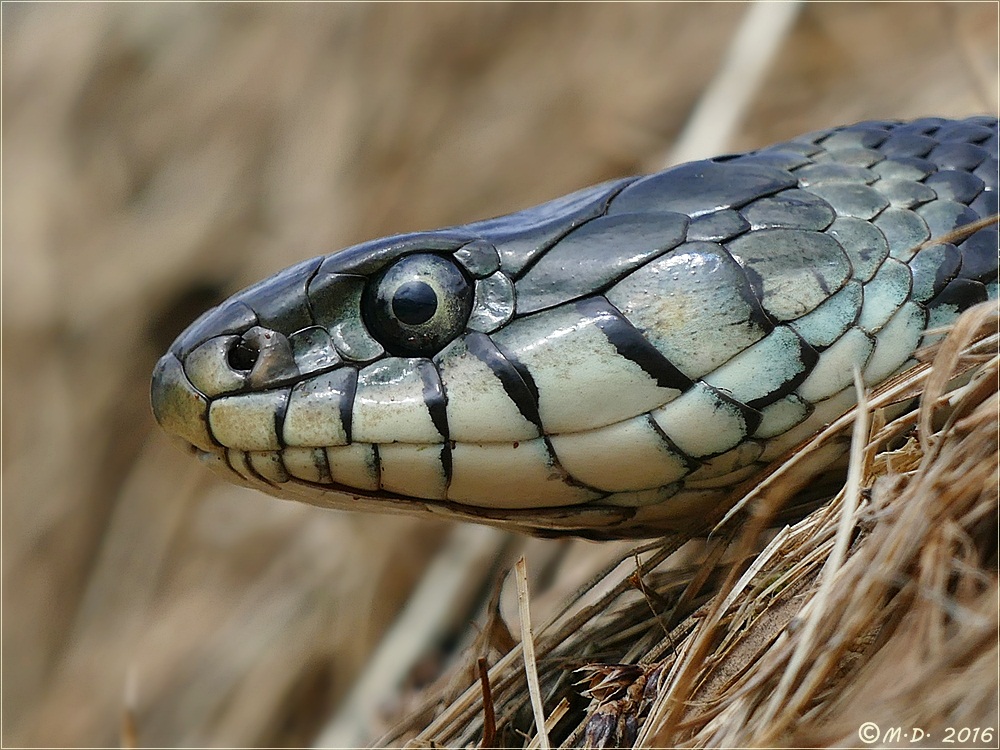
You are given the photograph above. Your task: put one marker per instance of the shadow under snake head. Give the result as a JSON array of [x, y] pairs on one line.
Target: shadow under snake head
[[608, 364]]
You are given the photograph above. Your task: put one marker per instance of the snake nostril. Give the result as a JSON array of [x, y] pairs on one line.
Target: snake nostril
[[243, 355]]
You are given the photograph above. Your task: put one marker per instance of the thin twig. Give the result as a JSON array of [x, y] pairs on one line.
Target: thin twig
[[528, 649], [489, 716]]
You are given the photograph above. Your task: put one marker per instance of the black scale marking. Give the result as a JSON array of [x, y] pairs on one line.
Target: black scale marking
[[513, 376]]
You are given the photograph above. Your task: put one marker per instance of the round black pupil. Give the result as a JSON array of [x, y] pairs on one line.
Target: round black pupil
[[414, 303]]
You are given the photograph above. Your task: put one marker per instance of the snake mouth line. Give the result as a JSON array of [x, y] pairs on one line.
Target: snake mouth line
[[583, 519], [549, 471], [626, 513]]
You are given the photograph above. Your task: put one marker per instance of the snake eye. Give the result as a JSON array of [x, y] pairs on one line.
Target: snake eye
[[417, 305]]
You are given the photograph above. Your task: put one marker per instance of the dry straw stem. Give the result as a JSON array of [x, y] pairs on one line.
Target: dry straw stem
[[879, 606], [528, 649]]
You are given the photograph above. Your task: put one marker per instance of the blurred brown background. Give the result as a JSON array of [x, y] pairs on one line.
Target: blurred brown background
[[159, 157]]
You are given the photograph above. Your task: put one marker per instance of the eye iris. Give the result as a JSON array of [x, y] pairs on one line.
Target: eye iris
[[414, 303]]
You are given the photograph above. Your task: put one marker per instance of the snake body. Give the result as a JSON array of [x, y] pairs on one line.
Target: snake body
[[609, 364]]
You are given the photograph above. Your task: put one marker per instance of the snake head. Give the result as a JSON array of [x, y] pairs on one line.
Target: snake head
[[304, 376], [524, 370], [394, 376]]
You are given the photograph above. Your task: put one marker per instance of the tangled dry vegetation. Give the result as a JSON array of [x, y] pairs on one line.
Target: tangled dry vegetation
[[880, 606]]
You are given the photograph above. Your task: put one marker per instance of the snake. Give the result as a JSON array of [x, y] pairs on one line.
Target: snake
[[610, 364]]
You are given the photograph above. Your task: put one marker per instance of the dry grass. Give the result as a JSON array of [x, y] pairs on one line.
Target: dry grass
[[160, 156]]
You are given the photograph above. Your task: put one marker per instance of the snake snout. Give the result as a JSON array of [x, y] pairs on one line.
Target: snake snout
[[178, 406]]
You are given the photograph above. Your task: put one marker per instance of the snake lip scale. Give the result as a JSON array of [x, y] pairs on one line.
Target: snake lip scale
[[608, 364]]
